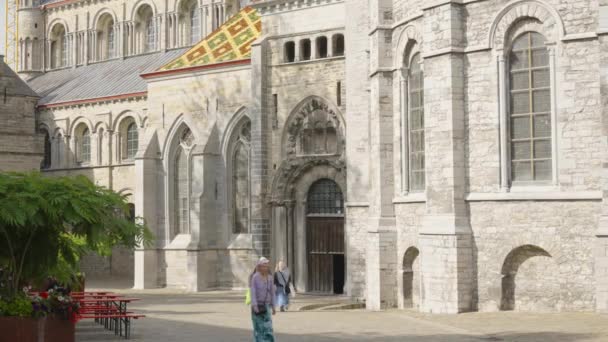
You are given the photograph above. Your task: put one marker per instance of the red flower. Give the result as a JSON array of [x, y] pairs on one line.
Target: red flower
[[44, 295]]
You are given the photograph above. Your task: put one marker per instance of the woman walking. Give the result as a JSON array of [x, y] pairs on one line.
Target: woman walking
[[282, 280], [262, 302]]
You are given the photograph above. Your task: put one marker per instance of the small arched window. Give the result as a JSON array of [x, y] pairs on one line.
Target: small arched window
[[46, 161], [290, 52], [59, 46], [338, 45], [321, 43], [84, 146], [416, 124], [305, 49], [132, 140], [145, 30], [530, 109]]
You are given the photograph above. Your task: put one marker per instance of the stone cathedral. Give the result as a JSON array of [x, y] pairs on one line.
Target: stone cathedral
[[446, 156]]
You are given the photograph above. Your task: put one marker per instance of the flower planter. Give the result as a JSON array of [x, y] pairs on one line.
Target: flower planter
[[36, 330]]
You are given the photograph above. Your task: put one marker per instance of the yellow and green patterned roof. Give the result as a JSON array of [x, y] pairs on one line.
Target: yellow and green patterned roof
[[230, 42]]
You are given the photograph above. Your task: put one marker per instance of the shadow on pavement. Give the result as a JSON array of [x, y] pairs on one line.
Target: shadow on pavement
[[153, 330]]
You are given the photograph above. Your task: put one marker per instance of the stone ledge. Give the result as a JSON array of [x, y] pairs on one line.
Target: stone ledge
[[411, 198], [531, 196]]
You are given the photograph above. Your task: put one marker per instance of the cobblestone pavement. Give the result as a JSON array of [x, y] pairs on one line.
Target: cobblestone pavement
[[222, 316]]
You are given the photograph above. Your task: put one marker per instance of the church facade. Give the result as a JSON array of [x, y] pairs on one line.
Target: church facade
[[447, 156]]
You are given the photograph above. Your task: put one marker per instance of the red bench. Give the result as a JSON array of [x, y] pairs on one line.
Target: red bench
[[117, 318]]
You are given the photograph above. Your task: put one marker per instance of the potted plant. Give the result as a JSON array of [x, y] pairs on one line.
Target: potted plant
[[46, 225]]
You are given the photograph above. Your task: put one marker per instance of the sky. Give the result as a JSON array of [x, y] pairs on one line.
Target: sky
[[2, 25]]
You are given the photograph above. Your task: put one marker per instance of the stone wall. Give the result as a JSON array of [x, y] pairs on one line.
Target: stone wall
[[560, 280]]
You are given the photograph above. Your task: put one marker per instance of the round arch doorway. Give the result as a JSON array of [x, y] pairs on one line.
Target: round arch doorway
[[325, 237]]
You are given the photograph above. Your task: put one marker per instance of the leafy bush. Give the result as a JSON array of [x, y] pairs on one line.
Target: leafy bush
[[19, 306], [48, 223]]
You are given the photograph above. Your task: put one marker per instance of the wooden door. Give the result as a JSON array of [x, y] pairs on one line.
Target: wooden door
[[325, 241]]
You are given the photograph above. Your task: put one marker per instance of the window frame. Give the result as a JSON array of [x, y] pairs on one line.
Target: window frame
[[84, 145], [507, 183], [195, 31], [237, 141], [410, 131], [128, 155], [411, 52]]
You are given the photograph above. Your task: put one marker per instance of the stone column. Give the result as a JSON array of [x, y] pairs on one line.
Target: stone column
[[146, 196], [503, 97], [445, 237], [357, 100], [381, 237], [260, 213], [601, 244]]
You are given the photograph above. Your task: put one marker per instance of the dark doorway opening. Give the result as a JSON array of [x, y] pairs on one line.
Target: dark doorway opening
[[338, 273], [325, 238]]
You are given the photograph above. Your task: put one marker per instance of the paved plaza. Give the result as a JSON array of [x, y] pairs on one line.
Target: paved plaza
[[222, 316]]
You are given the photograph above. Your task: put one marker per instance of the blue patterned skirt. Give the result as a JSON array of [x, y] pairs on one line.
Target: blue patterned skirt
[[262, 326]]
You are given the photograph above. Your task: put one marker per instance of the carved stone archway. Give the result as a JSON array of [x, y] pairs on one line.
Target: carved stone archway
[[293, 178]]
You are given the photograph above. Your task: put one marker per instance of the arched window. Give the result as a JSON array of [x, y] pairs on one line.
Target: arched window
[[46, 161], [145, 35], [240, 179], [530, 109], [290, 52], [338, 45], [415, 94], [181, 184], [325, 197], [195, 25], [305, 50], [59, 46], [105, 37], [132, 140], [321, 43], [83, 145]]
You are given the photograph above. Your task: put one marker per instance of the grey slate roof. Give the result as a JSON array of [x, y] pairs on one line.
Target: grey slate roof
[[109, 78], [12, 83]]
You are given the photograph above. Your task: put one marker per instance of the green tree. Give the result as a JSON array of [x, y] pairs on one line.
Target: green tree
[[47, 223]]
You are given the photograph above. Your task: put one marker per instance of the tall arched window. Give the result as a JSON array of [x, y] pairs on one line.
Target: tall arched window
[[46, 161], [83, 145], [132, 140], [195, 25], [181, 185], [416, 124], [240, 179], [530, 109]]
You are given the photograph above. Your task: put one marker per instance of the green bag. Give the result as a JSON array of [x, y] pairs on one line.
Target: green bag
[[248, 297]]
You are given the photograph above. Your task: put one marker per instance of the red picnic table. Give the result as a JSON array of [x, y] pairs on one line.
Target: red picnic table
[[110, 311]]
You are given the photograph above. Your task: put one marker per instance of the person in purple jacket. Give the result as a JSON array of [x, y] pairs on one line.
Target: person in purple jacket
[[262, 302]]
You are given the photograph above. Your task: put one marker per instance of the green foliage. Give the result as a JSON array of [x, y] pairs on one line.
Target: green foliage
[[48, 223], [19, 306]]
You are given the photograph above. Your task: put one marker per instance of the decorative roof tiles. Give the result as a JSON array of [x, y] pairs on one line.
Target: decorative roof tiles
[[231, 41]]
